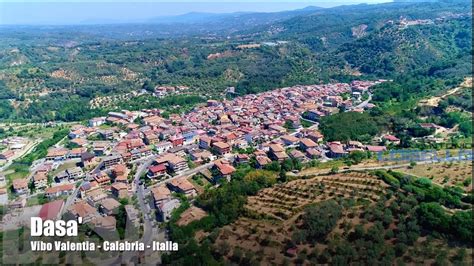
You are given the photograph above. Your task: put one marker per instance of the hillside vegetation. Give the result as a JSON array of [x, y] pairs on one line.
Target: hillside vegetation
[[424, 48]]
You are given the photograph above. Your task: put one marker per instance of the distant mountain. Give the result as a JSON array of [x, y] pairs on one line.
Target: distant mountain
[[230, 20], [194, 17]]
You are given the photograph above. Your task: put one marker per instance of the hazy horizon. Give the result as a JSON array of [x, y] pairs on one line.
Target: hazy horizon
[[109, 12]]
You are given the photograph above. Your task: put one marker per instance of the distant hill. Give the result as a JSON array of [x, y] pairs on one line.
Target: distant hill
[[194, 17], [231, 22], [423, 46]]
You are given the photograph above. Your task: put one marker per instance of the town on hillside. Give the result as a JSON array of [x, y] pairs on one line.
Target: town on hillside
[[144, 156]]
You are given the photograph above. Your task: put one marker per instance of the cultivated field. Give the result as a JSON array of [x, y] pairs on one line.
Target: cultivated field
[[445, 174], [266, 233], [273, 212]]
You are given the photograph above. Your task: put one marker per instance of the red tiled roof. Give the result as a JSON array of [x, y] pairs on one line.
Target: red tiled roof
[[157, 168], [50, 211], [56, 189]]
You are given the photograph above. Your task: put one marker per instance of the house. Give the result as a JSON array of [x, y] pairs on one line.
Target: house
[[179, 151], [354, 145], [313, 153], [205, 142], [392, 139], [83, 210], [87, 159], [152, 120], [221, 147], [315, 136], [277, 152], [119, 190], [101, 178], [20, 186], [119, 170], [289, 140], [156, 171], [86, 187], [106, 134], [201, 156], [61, 177], [96, 121], [177, 140], [225, 170], [174, 163], [60, 190], [182, 185], [262, 161], [163, 146], [336, 149], [76, 152], [307, 143], [79, 142], [313, 115], [151, 138], [75, 173], [104, 225], [109, 206], [111, 160], [279, 129], [57, 154], [95, 196], [140, 153], [100, 147], [7, 155], [242, 158], [165, 209], [160, 194], [296, 154], [189, 137], [40, 180], [132, 215], [51, 210]]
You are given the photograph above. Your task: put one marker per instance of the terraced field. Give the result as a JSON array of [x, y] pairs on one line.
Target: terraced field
[[284, 201], [374, 220], [272, 214]]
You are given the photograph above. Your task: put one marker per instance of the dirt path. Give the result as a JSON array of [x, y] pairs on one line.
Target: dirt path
[[434, 101]]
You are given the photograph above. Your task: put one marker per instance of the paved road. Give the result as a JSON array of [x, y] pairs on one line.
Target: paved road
[[187, 173], [70, 200], [364, 103], [149, 233]]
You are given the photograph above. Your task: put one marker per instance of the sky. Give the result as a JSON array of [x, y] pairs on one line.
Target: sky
[[70, 12]]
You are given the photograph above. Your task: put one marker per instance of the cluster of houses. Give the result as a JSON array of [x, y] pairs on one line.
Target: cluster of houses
[[163, 200], [214, 135], [99, 198], [13, 146], [162, 91], [205, 134]]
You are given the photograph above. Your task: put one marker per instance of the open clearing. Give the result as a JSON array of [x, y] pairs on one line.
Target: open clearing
[[434, 101]]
